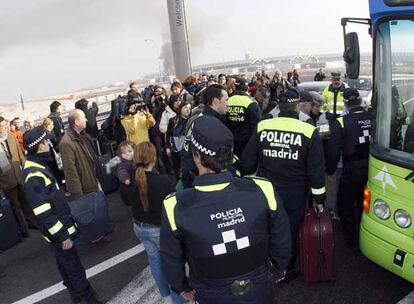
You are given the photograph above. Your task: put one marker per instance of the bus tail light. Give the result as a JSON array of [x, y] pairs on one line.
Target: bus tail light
[[367, 199]]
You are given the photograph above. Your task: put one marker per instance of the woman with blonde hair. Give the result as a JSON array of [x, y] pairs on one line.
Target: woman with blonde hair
[[231, 86], [146, 197]]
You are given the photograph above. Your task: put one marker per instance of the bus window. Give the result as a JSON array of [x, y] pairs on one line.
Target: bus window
[[395, 83]]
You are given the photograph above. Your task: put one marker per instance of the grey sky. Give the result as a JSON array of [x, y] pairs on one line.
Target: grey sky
[[55, 46]]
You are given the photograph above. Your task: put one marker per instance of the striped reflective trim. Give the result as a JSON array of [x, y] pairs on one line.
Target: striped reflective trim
[[56, 228], [39, 174], [47, 239], [169, 205], [341, 121], [71, 230], [30, 164], [211, 188], [268, 191], [318, 191], [42, 208]]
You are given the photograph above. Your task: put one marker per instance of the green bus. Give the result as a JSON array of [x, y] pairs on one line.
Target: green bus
[[386, 229]]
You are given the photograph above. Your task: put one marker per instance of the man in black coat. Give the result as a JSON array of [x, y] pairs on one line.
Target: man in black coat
[[59, 128]]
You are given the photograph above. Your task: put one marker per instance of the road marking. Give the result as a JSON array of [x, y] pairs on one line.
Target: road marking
[[142, 289], [54, 289], [408, 299]]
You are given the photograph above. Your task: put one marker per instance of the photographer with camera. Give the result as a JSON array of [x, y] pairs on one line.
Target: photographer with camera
[[138, 120]]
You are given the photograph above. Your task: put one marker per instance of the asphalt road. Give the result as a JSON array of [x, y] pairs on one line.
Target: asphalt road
[[30, 267]]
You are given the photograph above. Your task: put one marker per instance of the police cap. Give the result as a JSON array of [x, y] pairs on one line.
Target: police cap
[[290, 96], [335, 74], [351, 96], [305, 96], [241, 84], [34, 137], [209, 135], [316, 98]]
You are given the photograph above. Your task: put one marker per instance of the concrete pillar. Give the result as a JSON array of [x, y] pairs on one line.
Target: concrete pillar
[[179, 38]]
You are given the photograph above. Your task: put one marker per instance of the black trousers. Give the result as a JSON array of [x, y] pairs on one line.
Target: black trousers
[[294, 200], [239, 147], [350, 198], [73, 273], [158, 142]]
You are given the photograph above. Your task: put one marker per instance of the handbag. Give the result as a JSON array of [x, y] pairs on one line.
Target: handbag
[[58, 159], [90, 213]]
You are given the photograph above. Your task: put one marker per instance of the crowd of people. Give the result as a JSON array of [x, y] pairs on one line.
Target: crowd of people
[[200, 138]]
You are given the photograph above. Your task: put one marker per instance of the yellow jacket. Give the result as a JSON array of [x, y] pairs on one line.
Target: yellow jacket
[[136, 126], [328, 96]]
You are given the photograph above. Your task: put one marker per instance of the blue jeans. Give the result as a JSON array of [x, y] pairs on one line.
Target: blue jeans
[[150, 238]]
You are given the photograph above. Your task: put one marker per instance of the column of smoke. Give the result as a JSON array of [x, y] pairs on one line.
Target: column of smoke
[[198, 36], [44, 23], [166, 56]]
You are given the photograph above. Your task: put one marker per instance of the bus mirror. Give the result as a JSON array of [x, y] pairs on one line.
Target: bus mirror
[[351, 55]]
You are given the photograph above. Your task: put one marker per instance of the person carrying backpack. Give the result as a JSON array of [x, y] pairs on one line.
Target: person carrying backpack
[[176, 136]]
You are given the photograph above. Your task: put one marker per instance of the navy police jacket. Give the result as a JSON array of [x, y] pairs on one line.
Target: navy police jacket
[[48, 202], [288, 152], [243, 114], [350, 137], [226, 228]]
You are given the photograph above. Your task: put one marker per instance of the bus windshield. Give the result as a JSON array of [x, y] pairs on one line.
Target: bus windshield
[[394, 78]]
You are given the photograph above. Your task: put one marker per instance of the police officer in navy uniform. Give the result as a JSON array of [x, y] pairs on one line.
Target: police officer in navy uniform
[[229, 229], [215, 98], [289, 153], [53, 215], [243, 114], [350, 137]]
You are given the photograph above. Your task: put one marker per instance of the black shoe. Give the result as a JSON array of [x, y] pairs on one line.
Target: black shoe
[[107, 238], [94, 299], [24, 233], [290, 276]]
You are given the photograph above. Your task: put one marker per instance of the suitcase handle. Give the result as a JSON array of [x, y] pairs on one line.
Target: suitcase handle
[[318, 214], [322, 257]]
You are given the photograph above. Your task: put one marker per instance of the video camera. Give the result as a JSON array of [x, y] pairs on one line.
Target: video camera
[[136, 105]]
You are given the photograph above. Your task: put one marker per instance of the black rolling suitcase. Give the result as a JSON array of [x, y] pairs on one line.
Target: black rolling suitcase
[[9, 230], [107, 178]]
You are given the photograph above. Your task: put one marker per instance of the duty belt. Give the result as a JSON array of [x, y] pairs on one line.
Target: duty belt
[[233, 264], [240, 288]]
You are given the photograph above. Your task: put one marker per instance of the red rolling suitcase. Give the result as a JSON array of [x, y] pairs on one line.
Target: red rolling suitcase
[[316, 247]]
